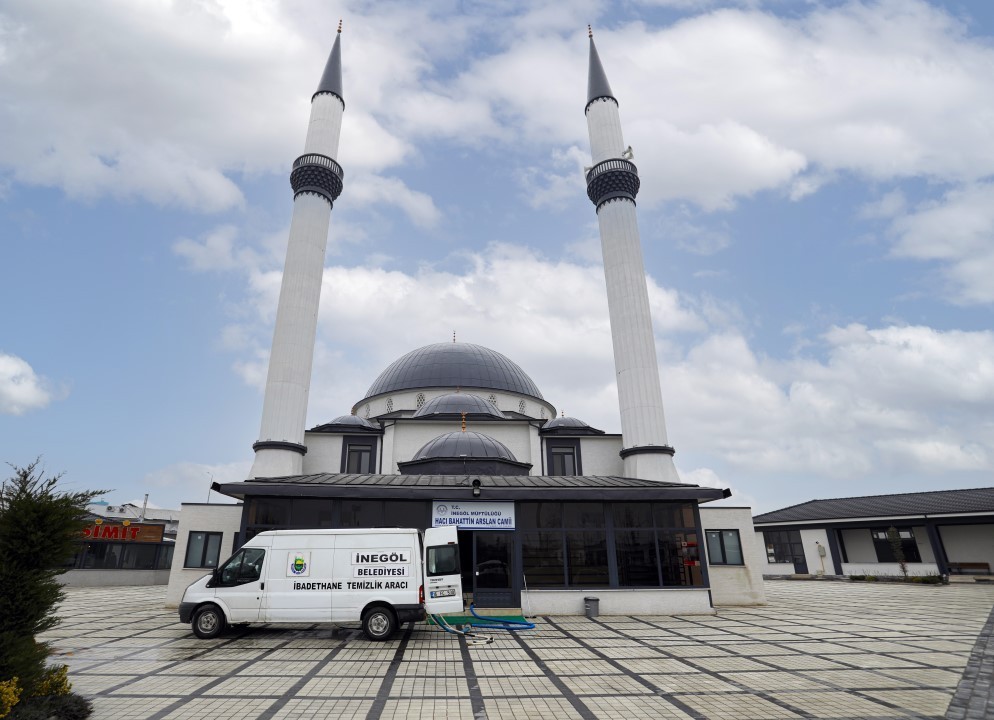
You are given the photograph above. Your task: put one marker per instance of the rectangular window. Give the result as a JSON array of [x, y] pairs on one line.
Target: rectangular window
[[724, 547], [783, 546], [543, 558], [632, 515], [360, 459], [362, 513], [563, 461], [539, 515], [680, 559], [636, 554], [269, 511], [587, 559], [583, 515], [165, 561], [674, 515], [203, 550], [138, 557], [885, 548]]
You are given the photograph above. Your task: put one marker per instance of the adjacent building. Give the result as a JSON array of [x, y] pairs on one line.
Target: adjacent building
[[944, 532]]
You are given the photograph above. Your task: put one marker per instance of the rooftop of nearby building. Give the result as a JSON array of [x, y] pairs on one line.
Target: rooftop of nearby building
[[936, 502]]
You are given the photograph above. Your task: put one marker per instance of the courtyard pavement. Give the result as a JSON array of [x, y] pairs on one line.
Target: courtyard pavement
[[817, 650]]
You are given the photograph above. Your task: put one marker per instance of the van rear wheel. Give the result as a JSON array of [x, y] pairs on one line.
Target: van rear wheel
[[379, 623], [208, 622]]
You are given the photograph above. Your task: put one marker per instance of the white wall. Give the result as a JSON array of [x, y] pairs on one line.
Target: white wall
[[599, 455], [199, 517], [924, 544], [324, 453], [969, 543], [407, 401], [810, 540], [410, 435], [730, 584], [684, 601]]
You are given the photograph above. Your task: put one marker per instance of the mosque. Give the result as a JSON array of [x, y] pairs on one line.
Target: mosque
[[550, 511]]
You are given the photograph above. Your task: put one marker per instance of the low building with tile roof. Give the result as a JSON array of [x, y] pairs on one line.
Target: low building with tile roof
[[941, 532]]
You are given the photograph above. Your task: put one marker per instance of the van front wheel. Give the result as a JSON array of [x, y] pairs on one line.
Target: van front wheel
[[208, 622], [379, 623]]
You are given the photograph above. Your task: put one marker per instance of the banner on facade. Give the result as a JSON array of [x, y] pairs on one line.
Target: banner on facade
[[473, 515]]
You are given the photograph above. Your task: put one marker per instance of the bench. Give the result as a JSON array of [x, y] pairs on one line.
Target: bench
[[969, 568]]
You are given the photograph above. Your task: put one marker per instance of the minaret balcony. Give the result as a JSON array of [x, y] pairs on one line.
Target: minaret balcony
[[612, 179], [318, 174]]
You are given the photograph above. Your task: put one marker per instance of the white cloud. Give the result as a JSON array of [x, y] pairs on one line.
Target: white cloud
[[718, 106], [958, 233], [21, 389], [885, 401]]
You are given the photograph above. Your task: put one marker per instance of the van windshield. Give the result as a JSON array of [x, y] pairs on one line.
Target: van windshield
[[443, 560]]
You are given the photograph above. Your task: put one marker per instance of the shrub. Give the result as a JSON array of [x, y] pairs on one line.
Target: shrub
[[47, 707], [55, 681], [40, 527], [857, 577], [10, 693]]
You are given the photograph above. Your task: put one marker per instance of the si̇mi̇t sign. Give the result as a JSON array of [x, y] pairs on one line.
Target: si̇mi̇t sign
[[473, 515]]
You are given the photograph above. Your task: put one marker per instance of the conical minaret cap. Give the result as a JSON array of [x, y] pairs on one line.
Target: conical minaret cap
[[597, 84], [331, 80]]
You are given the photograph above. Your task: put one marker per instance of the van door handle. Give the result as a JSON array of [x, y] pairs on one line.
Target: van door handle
[[262, 586]]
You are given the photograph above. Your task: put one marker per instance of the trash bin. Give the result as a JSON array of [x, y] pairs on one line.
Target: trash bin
[[591, 606]]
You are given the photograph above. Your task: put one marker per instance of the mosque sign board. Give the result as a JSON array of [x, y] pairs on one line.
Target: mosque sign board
[[473, 515]]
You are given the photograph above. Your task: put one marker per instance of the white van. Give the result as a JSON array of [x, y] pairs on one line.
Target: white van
[[381, 578]]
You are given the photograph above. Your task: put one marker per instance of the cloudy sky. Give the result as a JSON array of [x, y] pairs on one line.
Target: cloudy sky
[[817, 216]]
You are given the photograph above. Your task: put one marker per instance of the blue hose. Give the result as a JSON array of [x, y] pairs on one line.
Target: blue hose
[[500, 624]]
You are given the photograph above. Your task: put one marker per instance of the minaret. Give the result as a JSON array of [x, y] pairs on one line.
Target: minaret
[[316, 180], [612, 184]]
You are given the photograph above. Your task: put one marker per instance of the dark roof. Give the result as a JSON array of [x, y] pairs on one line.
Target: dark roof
[[347, 424], [597, 84], [565, 425], [937, 502], [464, 444], [494, 487], [331, 80], [454, 404], [454, 365]]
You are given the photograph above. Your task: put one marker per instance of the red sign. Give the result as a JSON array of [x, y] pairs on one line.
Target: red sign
[[126, 531]]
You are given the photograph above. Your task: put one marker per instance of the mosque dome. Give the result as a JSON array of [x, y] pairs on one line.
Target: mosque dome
[[454, 365], [565, 425], [464, 444], [455, 404], [347, 423]]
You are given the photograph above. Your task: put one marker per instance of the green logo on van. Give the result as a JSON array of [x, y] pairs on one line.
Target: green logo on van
[[299, 565]]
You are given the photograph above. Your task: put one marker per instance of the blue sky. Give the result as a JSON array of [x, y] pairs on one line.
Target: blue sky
[[817, 216]]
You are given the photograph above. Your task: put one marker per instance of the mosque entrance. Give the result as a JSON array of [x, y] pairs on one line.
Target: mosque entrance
[[487, 566]]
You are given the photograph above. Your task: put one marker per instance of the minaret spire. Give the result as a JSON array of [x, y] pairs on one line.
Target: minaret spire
[[612, 185], [597, 85], [331, 80], [316, 180]]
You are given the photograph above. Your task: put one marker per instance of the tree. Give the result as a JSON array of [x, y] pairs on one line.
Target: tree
[[40, 527], [897, 547]]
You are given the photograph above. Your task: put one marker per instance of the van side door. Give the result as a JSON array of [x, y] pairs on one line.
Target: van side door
[[239, 584], [443, 580], [300, 579]]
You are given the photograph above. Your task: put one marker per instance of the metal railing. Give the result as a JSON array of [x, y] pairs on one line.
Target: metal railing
[[608, 165]]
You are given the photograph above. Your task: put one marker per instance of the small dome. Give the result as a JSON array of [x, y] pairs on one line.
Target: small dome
[[346, 423], [454, 365], [455, 404], [565, 422], [564, 425], [464, 444]]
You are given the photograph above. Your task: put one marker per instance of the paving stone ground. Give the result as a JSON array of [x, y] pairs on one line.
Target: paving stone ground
[[817, 650]]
